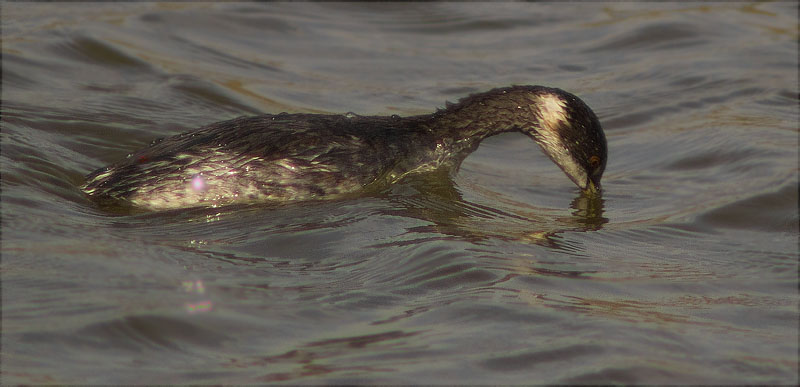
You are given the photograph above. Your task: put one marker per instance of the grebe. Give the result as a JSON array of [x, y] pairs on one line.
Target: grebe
[[295, 157]]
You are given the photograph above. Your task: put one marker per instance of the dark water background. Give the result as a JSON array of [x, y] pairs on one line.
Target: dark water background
[[687, 272]]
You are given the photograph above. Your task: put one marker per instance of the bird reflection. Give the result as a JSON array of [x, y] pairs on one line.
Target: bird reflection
[[435, 198]]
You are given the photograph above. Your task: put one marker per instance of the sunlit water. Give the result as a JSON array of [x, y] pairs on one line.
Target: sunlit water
[[685, 272]]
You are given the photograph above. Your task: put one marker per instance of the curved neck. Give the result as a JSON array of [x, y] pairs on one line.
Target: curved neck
[[461, 127]]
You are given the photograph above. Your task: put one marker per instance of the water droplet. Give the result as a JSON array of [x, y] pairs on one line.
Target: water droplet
[[350, 115]]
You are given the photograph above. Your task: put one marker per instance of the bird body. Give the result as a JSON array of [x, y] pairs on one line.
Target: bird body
[[296, 157]]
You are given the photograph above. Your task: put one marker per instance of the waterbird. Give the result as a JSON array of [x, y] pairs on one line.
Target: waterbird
[[284, 158]]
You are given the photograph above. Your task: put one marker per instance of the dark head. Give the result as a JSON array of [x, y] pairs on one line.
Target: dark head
[[568, 132]]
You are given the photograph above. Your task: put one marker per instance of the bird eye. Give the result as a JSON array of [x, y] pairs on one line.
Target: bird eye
[[594, 161]]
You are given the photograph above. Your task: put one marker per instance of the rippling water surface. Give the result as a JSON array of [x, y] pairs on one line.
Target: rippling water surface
[[685, 272]]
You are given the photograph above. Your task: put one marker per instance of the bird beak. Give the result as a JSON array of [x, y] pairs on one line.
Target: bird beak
[[592, 188]]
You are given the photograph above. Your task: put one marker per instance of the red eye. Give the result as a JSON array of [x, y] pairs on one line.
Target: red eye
[[594, 161]]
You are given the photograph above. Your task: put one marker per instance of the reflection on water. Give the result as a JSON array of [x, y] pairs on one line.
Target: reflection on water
[[589, 211], [435, 199], [309, 361], [684, 271]]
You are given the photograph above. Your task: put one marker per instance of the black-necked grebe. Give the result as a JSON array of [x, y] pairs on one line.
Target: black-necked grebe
[[295, 157]]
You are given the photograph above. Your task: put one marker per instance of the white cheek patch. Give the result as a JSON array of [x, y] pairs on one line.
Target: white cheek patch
[[552, 116], [551, 109]]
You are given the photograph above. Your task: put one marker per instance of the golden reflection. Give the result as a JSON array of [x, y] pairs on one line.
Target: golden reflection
[[589, 211], [662, 312], [437, 200], [238, 86], [309, 359], [624, 13]]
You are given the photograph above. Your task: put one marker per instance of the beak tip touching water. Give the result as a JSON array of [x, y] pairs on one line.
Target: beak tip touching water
[[592, 188]]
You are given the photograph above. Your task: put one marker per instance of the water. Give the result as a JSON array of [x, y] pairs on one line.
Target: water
[[685, 272]]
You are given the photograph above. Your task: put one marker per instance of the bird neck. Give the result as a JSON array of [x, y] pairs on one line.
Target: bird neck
[[461, 127]]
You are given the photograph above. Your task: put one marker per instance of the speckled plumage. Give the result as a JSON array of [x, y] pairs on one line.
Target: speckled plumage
[[295, 157]]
